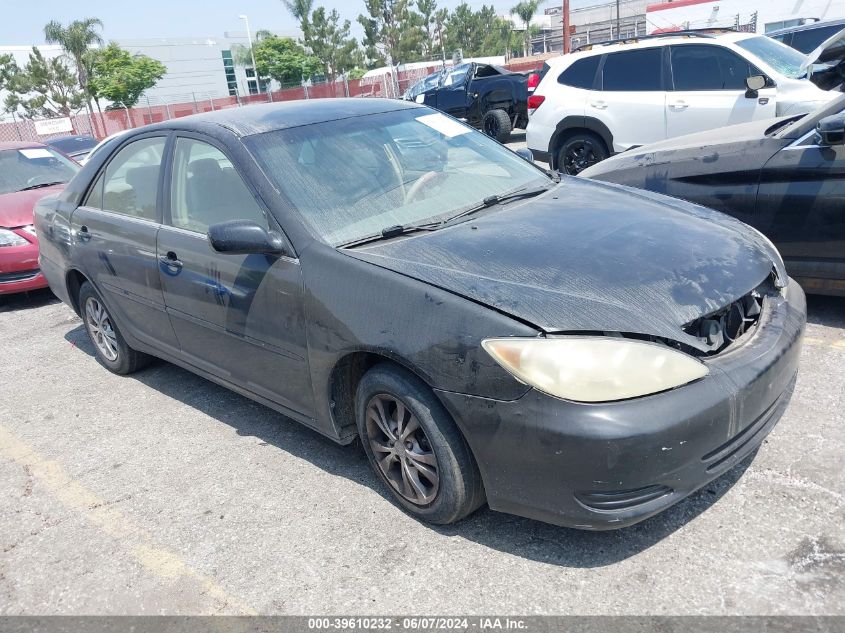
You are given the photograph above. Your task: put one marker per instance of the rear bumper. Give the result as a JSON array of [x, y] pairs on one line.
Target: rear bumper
[[606, 466], [19, 269]]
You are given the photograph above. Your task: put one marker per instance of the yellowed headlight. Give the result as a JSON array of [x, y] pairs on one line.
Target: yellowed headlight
[[595, 369]]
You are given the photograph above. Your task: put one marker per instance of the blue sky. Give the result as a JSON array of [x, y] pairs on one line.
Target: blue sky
[[174, 18]]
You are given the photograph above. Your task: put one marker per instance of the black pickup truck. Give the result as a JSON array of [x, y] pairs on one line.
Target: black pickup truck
[[488, 97]]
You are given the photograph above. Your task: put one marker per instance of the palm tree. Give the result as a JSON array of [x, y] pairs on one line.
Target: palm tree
[[525, 10], [75, 39], [301, 10]]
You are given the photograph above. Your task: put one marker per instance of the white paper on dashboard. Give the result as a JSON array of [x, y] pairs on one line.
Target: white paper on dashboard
[[36, 152], [443, 124]]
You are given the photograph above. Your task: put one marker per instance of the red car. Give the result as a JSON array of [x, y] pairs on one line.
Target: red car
[[28, 172]]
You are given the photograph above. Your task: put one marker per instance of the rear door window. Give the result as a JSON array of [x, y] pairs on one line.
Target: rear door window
[[633, 71]]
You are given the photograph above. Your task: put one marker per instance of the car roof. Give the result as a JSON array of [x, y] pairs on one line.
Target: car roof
[[4, 145], [811, 26], [268, 117], [650, 41]]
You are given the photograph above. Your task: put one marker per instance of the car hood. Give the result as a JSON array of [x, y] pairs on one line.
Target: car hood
[[831, 51], [16, 208], [709, 148], [590, 257]]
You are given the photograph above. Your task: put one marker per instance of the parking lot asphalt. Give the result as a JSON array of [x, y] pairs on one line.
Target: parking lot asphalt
[[161, 493]]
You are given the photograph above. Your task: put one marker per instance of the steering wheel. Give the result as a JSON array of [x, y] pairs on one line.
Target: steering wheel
[[426, 180]]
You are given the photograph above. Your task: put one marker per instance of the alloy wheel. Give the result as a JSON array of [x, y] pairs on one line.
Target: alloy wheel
[[402, 450], [101, 329], [579, 155]]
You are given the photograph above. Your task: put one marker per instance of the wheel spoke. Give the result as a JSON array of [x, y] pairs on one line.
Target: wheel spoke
[[381, 448], [423, 458], [412, 425], [400, 419], [376, 414], [411, 475], [385, 462], [406, 489]]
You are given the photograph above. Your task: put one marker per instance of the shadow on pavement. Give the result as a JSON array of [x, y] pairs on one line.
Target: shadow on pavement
[[514, 535], [827, 311], [27, 300]]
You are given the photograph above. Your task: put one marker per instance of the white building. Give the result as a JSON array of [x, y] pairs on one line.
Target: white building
[[761, 17], [197, 67]]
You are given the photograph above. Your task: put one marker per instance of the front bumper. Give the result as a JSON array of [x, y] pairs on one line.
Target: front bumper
[[606, 466], [19, 270]]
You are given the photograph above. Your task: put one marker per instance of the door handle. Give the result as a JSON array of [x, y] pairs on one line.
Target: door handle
[[82, 234], [599, 105], [679, 105], [170, 260]]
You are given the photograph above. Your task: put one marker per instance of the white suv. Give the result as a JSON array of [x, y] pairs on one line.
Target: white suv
[[613, 97]]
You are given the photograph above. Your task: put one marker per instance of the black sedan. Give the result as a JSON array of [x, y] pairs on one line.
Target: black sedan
[[571, 351], [786, 177]]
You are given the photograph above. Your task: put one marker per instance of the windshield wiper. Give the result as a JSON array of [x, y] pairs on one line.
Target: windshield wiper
[[396, 230], [41, 185], [393, 231], [491, 201]]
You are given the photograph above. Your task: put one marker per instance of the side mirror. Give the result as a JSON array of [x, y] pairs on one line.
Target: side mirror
[[244, 237], [527, 154], [831, 130], [754, 83]]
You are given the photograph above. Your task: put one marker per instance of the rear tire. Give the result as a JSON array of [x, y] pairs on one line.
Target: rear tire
[[497, 124], [579, 151], [110, 348], [415, 448]]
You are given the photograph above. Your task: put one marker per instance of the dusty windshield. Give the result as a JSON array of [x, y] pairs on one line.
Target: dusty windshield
[[33, 167], [351, 178]]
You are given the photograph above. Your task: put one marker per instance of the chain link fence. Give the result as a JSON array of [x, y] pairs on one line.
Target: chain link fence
[[101, 124]]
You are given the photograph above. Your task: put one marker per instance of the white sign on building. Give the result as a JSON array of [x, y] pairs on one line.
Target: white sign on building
[[53, 126]]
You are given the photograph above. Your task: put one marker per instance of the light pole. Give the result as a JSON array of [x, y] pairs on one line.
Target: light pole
[[252, 54]]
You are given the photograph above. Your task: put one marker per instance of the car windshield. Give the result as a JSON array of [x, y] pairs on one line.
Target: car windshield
[[780, 57], [351, 178], [33, 167], [425, 85]]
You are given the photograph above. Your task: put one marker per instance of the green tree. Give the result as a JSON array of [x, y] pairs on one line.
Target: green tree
[[525, 11], [76, 39], [301, 11], [8, 69], [283, 59], [122, 78], [42, 88], [242, 55], [393, 31], [428, 18], [329, 41]]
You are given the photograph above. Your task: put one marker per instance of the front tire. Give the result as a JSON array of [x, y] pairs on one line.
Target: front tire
[[497, 124], [110, 347], [415, 448], [579, 151]]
